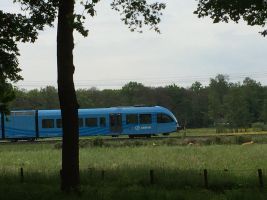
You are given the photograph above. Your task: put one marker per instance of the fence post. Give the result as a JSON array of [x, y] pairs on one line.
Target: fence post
[[260, 177], [151, 172], [206, 178], [21, 175]]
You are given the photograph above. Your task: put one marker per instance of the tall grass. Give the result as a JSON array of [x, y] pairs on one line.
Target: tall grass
[[47, 158], [123, 172]]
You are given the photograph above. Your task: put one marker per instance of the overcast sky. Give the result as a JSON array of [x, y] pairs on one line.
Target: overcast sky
[[188, 50]]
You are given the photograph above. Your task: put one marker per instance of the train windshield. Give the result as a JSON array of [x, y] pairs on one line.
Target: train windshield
[[164, 118]]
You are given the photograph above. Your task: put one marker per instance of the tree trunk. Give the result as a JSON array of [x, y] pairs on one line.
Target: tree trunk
[[67, 97]]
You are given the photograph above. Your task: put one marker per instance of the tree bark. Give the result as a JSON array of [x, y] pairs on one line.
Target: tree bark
[[67, 97]]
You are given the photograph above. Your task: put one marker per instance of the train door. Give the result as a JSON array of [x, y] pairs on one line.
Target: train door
[[115, 123]]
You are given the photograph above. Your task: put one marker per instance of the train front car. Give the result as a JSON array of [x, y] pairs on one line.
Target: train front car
[[147, 121], [166, 121]]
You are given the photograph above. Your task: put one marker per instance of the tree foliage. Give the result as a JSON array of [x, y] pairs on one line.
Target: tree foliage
[[218, 89], [14, 28], [253, 12], [37, 14], [242, 104], [7, 94]]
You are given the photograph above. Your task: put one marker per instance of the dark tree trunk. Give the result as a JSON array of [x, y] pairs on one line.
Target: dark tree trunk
[[67, 97]]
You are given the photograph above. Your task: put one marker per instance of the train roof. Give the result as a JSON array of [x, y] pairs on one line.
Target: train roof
[[100, 111], [128, 109]]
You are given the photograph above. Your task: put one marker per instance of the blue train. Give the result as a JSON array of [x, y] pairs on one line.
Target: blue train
[[115, 121]]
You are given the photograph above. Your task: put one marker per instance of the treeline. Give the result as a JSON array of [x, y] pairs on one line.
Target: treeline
[[235, 105]]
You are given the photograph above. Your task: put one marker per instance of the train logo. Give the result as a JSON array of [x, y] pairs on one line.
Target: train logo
[[137, 128]]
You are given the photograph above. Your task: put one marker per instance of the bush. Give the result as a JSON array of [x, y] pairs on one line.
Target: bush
[[98, 142], [218, 140], [258, 126], [58, 145], [240, 139], [83, 143], [170, 142], [222, 127]]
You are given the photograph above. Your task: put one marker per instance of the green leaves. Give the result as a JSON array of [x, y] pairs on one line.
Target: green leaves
[[40, 12], [254, 12], [14, 27], [78, 24], [79, 19], [136, 13], [7, 94]]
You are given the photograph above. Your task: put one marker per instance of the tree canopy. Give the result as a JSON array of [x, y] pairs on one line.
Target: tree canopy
[[253, 12], [241, 105]]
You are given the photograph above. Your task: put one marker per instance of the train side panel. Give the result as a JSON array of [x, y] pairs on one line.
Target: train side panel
[[50, 124], [93, 124], [20, 125], [136, 123]]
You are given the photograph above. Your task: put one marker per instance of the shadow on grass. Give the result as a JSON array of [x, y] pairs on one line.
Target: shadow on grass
[[136, 183]]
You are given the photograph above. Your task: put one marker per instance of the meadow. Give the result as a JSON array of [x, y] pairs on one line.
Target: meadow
[[122, 171]]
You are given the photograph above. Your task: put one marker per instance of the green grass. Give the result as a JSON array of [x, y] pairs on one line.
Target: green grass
[[45, 157], [178, 171]]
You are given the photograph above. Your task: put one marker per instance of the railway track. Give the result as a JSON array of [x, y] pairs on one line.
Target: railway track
[[120, 139]]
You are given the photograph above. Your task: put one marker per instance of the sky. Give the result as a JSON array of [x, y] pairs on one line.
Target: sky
[[188, 49]]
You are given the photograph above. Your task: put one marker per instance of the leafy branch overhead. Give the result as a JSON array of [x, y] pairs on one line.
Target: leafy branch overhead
[[135, 14], [36, 14], [14, 28], [254, 12]]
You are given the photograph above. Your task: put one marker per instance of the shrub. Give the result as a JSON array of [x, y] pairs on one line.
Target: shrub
[[58, 145], [98, 142], [258, 126], [240, 139], [222, 127], [218, 140]]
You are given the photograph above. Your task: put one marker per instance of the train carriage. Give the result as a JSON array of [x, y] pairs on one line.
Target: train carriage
[[20, 125], [132, 121]]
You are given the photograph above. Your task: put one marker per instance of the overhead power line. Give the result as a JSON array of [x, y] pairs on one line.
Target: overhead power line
[[148, 80]]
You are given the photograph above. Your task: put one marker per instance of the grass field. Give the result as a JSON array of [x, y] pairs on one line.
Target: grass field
[[123, 171]]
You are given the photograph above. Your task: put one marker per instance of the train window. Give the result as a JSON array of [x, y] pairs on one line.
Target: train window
[[22, 113], [59, 123], [102, 121], [163, 118], [80, 122], [91, 122], [132, 119], [48, 123], [145, 118]]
